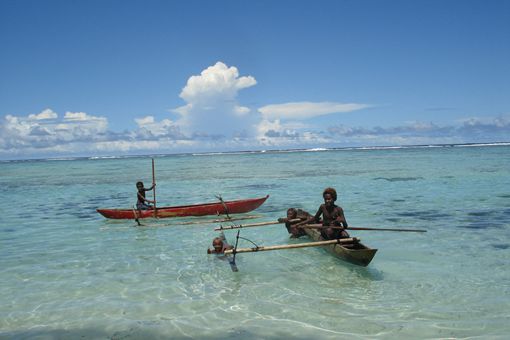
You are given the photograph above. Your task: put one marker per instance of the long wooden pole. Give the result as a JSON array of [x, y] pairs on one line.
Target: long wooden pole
[[320, 226], [221, 220], [154, 187], [250, 225], [292, 246]]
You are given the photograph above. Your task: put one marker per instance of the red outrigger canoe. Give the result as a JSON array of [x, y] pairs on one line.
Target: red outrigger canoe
[[218, 208]]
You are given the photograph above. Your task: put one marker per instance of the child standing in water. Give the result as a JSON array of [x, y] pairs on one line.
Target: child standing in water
[[219, 245]]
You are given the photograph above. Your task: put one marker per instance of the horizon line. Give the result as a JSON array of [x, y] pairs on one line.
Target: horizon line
[[212, 153]]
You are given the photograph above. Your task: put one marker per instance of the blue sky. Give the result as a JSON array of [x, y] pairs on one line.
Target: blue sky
[[85, 78]]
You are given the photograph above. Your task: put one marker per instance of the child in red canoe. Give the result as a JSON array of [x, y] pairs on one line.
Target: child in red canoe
[[140, 203]]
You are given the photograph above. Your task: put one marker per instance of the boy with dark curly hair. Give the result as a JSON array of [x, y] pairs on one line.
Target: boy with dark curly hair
[[332, 217]]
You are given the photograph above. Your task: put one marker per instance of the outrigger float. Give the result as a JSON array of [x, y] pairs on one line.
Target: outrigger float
[[347, 249]]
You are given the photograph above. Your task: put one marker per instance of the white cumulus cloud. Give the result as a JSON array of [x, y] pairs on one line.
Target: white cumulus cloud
[[83, 124], [44, 130], [45, 114], [149, 128], [211, 103], [217, 80]]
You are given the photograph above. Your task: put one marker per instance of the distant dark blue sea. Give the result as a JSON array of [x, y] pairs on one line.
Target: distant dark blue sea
[[69, 273]]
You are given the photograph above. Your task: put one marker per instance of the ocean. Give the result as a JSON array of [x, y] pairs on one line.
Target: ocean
[[69, 273]]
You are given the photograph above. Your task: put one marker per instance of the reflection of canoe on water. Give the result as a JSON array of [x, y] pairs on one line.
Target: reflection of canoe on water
[[355, 253], [217, 208]]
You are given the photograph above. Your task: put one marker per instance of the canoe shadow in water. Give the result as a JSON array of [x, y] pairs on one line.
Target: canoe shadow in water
[[370, 272]]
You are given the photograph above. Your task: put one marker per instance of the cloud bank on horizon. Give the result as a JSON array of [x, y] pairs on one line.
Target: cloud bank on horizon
[[213, 119]]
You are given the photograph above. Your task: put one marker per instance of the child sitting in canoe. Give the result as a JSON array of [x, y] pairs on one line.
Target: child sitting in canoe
[[293, 217], [333, 219], [219, 245], [140, 203]]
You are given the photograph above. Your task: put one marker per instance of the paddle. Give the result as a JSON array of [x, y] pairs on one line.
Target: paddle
[[292, 246], [232, 261], [320, 226], [154, 188], [250, 225]]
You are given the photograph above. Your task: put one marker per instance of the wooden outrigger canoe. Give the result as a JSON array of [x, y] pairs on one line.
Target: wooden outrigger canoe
[[355, 253], [217, 208]]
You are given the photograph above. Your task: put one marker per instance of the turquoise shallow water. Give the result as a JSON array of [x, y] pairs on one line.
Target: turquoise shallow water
[[66, 272]]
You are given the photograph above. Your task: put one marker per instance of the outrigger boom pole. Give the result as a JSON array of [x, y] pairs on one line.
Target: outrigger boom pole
[[292, 246]]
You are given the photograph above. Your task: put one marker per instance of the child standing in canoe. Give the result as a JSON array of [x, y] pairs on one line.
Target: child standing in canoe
[[141, 200]]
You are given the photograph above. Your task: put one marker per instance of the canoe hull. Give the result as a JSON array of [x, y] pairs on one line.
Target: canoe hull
[[217, 208], [357, 254]]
